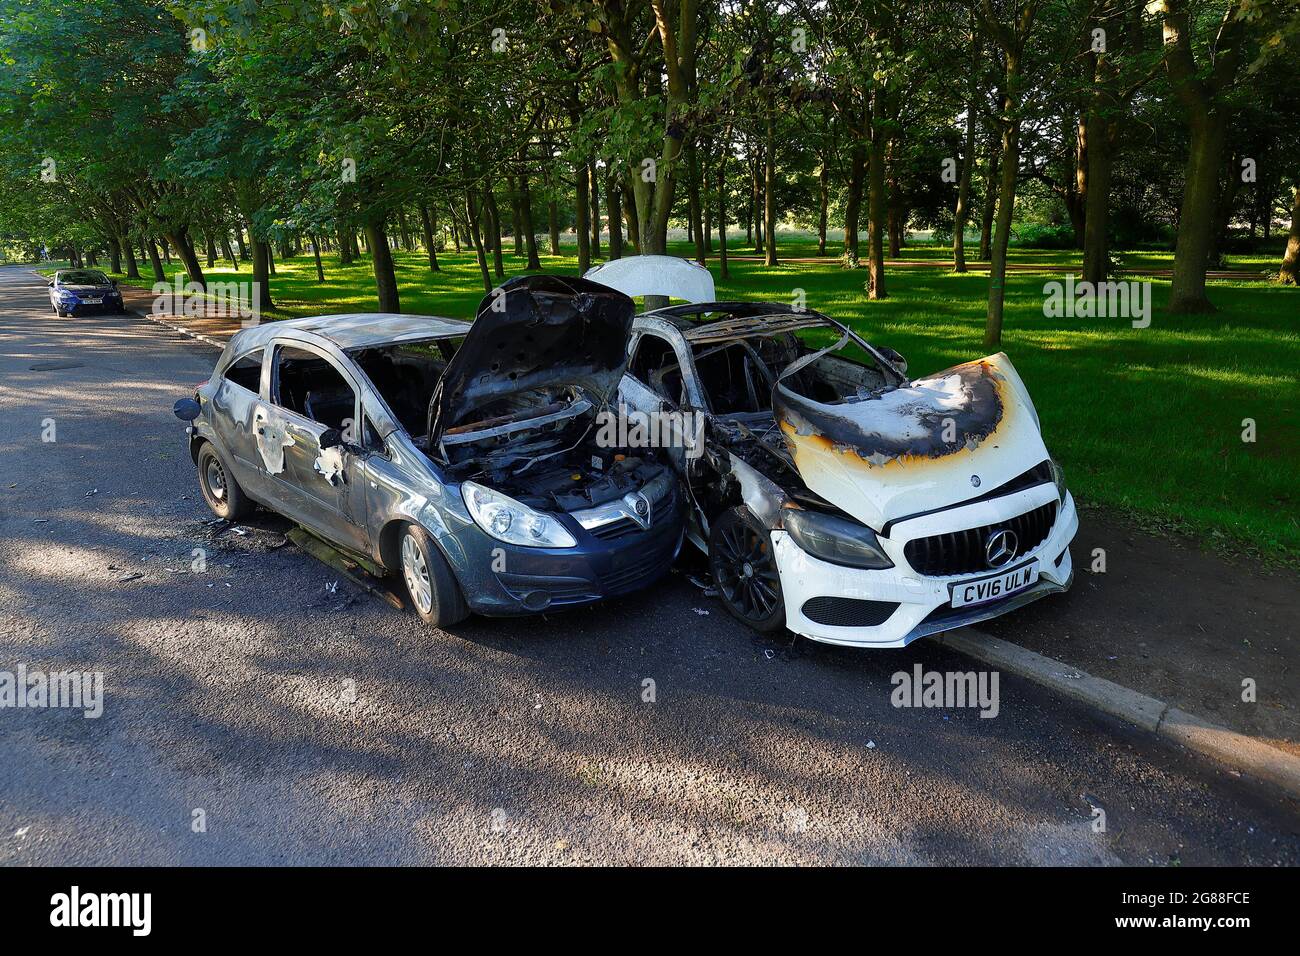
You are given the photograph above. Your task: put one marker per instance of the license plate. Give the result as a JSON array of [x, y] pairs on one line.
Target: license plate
[[994, 587], [93, 301]]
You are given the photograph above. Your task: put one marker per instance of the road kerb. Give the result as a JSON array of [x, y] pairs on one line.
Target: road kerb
[[1237, 750], [206, 339], [1228, 747]]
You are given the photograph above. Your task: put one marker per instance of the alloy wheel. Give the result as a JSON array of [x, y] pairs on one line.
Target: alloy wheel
[[746, 573], [415, 571]]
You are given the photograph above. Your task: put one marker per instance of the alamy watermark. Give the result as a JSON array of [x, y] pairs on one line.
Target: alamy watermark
[[629, 428], [231, 300], [948, 690], [71, 690], [1100, 300]]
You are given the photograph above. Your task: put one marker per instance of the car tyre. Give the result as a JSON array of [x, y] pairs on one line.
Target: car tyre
[[432, 588], [744, 569], [220, 490]]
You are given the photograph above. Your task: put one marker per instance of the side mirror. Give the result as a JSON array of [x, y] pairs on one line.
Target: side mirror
[[51, 283], [331, 438], [186, 409], [114, 281]]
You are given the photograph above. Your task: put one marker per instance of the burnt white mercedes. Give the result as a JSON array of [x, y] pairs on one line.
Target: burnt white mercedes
[[834, 495]]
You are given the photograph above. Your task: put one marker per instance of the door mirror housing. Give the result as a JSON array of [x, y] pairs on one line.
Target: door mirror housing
[[186, 409], [331, 438]]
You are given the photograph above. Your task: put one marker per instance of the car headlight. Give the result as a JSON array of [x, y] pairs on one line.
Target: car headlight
[[834, 539], [507, 520], [1058, 478]]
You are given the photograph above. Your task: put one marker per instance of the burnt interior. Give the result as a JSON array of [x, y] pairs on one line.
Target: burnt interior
[[739, 376]]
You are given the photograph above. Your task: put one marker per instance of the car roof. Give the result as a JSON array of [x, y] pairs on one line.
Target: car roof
[[355, 330], [716, 321]]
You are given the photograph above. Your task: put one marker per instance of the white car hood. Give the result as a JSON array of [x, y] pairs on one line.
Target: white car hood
[[936, 442]]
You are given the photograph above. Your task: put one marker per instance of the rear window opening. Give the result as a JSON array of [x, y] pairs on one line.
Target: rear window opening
[[246, 371]]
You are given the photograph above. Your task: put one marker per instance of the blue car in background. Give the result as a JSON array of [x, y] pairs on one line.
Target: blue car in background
[[78, 291]]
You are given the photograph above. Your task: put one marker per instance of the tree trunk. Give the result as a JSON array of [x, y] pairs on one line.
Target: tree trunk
[[990, 205], [769, 193], [403, 233], [132, 270], [582, 224], [345, 248], [614, 213], [261, 274], [430, 245], [526, 224], [631, 217], [114, 255], [594, 212], [227, 251], [1078, 193], [455, 227], [553, 226], [1010, 162], [211, 249], [476, 239], [722, 210], [1290, 272], [1196, 218], [962, 212], [516, 221], [1096, 225], [189, 258], [823, 203], [853, 202], [381, 257], [494, 224], [876, 212], [694, 213], [155, 261], [315, 251]]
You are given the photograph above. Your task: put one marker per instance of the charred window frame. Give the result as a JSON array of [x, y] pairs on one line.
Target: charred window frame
[[297, 404], [688, 393], [246, 371]]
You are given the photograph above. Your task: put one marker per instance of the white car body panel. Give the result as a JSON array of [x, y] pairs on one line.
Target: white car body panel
[[877, 493], [655, 275], [804, 577]]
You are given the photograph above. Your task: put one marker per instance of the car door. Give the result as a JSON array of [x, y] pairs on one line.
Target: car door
[[235, 403], [313, 392]]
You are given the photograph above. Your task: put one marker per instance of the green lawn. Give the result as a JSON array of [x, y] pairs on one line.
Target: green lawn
[[1147, 422]]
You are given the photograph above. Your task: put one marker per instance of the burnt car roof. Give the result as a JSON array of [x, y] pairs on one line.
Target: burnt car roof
[[354, 330], [715, 321]]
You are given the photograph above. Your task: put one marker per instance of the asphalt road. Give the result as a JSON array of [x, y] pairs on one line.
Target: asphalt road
[[318, 726]]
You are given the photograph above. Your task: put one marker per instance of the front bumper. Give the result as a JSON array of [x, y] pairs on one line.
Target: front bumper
[[110, 305], [502, 580], [909, 605]]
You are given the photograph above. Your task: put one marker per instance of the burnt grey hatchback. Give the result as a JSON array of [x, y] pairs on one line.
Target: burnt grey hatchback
[[461, 456]]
